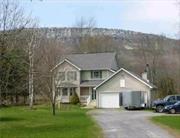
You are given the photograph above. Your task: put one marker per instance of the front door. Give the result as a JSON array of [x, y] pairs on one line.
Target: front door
[[93, 94]]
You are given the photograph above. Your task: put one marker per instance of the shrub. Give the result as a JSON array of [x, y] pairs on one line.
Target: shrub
[[74, 99]]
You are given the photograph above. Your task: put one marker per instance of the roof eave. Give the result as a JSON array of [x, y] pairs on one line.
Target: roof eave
[[68, 61], [126, 72]]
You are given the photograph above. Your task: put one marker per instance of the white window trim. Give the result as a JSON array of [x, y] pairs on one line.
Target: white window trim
[[94, 78], [122, 83], [70, 79]]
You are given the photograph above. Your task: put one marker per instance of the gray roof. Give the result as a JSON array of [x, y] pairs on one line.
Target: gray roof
[[67, 84], [94, 61], [133, 74], [138, 76], [92, 83]]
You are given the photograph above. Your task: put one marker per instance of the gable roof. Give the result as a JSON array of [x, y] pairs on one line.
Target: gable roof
[[65, 60], [130, 73], [92, 61]]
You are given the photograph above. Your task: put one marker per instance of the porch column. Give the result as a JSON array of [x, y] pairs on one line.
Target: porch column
[[90, 92], [59, 92], [68, 91]]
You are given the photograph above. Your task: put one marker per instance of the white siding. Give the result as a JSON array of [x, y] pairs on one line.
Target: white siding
[[65, 67], [131, 84]]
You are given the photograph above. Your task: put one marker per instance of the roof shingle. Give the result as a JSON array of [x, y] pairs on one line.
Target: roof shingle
[[90, 83], [94, 61]]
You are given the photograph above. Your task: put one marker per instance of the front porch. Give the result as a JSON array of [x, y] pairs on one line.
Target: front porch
[[87, 94], [64, 94]]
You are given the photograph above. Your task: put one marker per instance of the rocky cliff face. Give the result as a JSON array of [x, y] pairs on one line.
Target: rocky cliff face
[[74, 32], [127, 39], [128, 46]]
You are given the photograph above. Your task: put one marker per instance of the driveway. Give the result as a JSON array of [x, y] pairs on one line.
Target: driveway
[[128, 124]]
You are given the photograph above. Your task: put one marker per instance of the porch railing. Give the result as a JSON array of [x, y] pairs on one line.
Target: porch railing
[[85, 99], [88, 100]]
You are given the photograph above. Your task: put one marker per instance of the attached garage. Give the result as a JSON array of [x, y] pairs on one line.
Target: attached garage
[[110, 93], [109, 100]]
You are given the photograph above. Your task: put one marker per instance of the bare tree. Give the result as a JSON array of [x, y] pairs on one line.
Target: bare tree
[[85, 25], [31, 47], [12, 23], [56, 81], [178, 50], [90, 40], [150, 49], [47, 55], [85, 28]]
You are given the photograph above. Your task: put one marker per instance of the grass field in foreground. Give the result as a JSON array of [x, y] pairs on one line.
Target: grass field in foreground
[[70, 122], [171, 122]]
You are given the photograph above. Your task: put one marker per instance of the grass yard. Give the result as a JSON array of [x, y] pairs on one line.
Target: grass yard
[[69, 122], [170, 122]]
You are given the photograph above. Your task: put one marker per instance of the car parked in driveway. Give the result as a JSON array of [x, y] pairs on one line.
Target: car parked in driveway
[[172, 108], [159, 105]]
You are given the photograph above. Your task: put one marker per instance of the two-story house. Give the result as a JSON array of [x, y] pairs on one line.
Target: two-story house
[[95, 77], [80, 73]]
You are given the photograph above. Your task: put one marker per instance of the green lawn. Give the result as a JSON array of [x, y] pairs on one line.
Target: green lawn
[[172, 122], [69, 122]]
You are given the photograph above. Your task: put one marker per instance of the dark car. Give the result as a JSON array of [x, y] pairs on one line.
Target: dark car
[[159, 105], [172, 108]]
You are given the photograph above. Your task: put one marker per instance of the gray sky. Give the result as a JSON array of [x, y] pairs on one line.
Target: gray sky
[[148, 16]]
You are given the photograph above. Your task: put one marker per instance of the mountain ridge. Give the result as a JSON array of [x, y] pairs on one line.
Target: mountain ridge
[[70, 32]]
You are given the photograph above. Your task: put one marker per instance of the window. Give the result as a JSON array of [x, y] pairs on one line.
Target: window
[[171, 99], [61, 76], [64, 92], [96, 74], [122, 82], [178, 98], [72, 91], [71, 75]]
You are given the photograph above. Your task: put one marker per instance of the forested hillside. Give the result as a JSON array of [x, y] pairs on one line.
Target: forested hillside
[[28, 53], [134, 49]]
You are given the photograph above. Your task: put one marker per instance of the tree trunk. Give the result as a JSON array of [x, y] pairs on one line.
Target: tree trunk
[[17, 98], [25, 98], [31, 77], [53, 95], [54, 108], [0, 97], [11, 99], [31, 90], [54, 102]]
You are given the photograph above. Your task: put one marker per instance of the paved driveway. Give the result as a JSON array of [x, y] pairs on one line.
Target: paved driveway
[[128, 124]]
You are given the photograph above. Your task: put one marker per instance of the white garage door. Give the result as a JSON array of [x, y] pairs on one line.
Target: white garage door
[[109, 100]]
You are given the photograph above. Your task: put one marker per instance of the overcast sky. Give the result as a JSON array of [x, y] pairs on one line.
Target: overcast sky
[[148, 16]]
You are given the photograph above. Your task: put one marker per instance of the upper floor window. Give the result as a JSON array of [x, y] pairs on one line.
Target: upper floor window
[[71, 75], [122, 82], [61, 76], [97, 74]]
